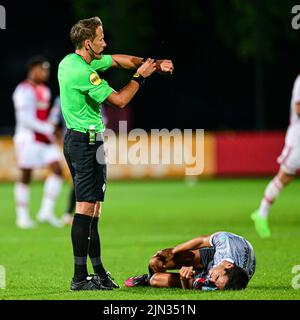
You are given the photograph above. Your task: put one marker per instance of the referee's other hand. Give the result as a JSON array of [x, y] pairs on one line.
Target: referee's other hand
[[165, 67], [147, 68]]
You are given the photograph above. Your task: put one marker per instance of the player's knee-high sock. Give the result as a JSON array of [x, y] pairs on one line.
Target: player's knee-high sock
[[80, 234], [95, 249], [271, 194], [22, 199], [52, 188], [150, 273]]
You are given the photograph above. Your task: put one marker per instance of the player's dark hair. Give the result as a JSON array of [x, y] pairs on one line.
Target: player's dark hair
[[84, 30], [35, 61], [237, 278]]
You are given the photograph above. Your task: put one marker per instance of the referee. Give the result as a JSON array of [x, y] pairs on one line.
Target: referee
[[82, 92]]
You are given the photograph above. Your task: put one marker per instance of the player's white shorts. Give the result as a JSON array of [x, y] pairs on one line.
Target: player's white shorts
[[289, 159], [33, 154]]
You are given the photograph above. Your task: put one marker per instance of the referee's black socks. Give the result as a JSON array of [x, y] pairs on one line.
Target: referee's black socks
[[95, 249], [80, 234]]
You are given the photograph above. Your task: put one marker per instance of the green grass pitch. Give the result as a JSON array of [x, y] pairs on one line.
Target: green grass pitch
[[139, 218]]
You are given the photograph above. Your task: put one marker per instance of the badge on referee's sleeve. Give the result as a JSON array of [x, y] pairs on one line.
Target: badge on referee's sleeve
[[95, 79]]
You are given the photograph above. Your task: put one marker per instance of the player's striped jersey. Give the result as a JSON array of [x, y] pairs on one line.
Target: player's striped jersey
[[235, 249], [32, 104], [293, 133], [294, 118]]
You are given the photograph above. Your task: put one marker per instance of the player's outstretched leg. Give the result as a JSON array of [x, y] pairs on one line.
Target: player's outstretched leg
[[272, 192], [144, 280], [157, 280], [261, 224], [165, 280]]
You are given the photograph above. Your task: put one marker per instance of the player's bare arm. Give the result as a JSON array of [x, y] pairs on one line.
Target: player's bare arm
[[165, 254], [196, 243], [162, 260], [186, 277], [165, 260], [163, 66], [122, 97]]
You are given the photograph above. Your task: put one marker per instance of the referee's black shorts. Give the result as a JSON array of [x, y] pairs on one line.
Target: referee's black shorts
[[86, 164]]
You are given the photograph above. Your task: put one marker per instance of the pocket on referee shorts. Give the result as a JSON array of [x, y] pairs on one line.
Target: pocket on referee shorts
[[83, 156]]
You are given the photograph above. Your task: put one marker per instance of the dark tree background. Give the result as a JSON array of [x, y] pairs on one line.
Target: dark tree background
[[235, 60]]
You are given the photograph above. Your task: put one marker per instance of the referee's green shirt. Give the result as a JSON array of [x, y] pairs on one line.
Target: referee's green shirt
[[82, 91]]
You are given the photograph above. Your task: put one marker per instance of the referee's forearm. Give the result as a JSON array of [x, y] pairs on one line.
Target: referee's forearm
[[121, 98], [126, 61]]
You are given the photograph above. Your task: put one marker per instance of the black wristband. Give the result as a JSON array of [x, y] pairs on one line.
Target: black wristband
[[138, 78]]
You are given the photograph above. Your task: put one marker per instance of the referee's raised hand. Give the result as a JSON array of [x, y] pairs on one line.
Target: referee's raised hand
[[164, 67], [147, 68]]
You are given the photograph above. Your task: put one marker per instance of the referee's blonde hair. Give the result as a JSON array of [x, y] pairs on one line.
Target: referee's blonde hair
[[84, 29]]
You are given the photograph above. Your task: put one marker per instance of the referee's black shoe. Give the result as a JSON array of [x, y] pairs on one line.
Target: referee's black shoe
[[107, 281], [92, 282]]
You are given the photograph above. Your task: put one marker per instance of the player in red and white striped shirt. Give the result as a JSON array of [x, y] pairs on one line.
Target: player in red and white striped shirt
[[33, 139], [289, 161]]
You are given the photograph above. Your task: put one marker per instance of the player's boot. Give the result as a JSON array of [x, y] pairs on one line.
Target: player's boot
[[108, 281], [261, 225], [138, 281], [25, 223], [92, 282], [49, 218]]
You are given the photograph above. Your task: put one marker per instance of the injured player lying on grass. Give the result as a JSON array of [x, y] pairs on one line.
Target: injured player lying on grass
[[221, 261]]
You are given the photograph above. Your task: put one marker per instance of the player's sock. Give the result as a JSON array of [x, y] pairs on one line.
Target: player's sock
[[52, 189], [80, 234], [95, 249], [22, 198], [271, 194], [150, 273]]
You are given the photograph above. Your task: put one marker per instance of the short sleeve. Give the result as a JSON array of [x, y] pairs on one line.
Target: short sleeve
[[24, 98], [223, 246], [211, 238], [102, 64], [89, 82], [297, 89]]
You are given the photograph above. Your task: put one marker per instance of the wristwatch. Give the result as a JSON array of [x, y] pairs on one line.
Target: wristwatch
[[138, 78]]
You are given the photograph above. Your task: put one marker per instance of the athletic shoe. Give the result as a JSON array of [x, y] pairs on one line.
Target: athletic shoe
[[25, 223], [261, 225], [137, 281], [67, 219], [108, 281], [49, 218], [92, 282]]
